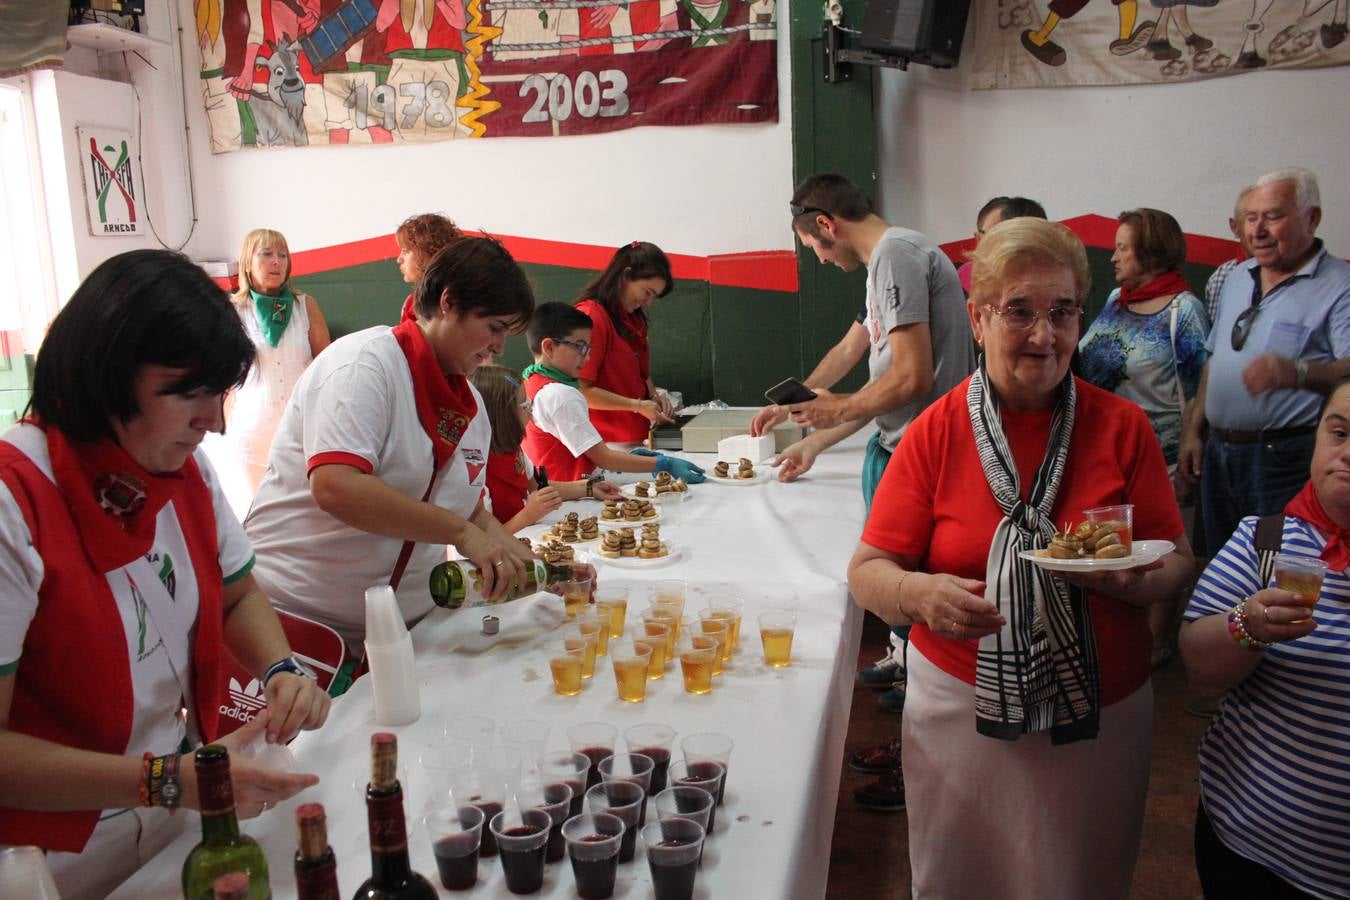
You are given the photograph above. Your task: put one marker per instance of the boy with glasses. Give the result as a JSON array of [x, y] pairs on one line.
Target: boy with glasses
[[560, 436]]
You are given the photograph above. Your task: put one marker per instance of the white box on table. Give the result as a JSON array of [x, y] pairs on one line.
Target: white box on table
[[755, 449]]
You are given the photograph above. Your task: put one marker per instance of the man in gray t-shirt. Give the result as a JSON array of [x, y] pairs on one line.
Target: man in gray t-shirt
[[918, 336]]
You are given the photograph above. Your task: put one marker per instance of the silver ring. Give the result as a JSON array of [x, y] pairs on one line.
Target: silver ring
[[498, 563], [1265, 614]]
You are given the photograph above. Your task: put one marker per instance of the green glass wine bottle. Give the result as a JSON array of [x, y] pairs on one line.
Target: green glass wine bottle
[[223, 847], [391, 876], [457, 583]]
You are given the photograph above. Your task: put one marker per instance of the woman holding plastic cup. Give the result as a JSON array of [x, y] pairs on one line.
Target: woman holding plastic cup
[[1273, 764], [991, 470]]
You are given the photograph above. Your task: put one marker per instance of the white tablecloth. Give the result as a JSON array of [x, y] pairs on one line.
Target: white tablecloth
[[772, 544]]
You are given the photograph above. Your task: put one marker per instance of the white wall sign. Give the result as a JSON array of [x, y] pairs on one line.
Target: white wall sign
[[112, 193]]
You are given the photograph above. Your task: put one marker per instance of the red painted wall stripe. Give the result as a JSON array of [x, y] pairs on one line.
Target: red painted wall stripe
[[770, 270], [1100, 232], [765, 270]]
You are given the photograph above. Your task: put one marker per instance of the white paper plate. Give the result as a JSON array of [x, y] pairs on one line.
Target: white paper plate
[[616, 524], [762, 474], [630, 490], [1144, 553], [578, 543], [633, 562]]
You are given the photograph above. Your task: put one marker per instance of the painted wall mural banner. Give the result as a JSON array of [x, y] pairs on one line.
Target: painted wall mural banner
[[298, 72], [110, 173], [1029, 43]]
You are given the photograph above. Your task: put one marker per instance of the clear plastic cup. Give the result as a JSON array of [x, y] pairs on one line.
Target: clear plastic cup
[[530, 735], [566, 664], [576, 593], [720, 629], [1120, 518], [709, 746], [670, 590], [674, 848], [456, 833], [653, 741], [569, 768], [601, 620], [593, 843], [668, 618], [723, 606], [590, 633], [655, 636], [625, 800], [699, 656], [1301, 574], [614, 600], [554, 798], [776, 630], [685, 801], [522, 841], [596, 741], [631, 663]]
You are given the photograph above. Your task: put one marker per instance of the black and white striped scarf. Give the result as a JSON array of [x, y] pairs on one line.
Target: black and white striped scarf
[[1040, 671]]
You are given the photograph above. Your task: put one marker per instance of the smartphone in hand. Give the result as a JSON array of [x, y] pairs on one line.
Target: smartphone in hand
[[789, 391]]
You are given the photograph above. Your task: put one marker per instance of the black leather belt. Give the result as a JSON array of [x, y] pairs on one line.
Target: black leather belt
[[1261, 437]]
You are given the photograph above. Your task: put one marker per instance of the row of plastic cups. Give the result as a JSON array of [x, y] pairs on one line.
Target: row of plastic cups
[[661, 638], [595, 843]]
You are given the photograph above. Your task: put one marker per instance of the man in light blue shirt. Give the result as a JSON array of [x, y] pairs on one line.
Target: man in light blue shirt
[[1281, 340]]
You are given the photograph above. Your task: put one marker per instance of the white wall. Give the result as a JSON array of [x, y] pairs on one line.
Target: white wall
[[697, 190], [944, 150]]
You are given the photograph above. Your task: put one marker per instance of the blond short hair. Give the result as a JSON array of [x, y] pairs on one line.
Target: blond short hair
[[1016, 243], [254, 241]]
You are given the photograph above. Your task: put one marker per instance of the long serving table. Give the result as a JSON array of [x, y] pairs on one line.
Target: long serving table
[[773, 545]]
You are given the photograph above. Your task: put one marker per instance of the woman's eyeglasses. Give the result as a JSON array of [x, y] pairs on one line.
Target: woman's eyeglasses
[[798, 209], [582, 347], [1023, 318]]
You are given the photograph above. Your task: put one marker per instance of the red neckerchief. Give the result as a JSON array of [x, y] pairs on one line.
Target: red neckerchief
[[445, 403], [114, 501], [408, 314], [1164, 285], [1308, 507]]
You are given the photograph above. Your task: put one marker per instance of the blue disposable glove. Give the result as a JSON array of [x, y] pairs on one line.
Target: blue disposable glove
[[643, 451], [679, 468]]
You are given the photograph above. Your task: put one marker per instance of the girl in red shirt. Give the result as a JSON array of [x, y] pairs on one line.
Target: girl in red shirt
[[616, 380]]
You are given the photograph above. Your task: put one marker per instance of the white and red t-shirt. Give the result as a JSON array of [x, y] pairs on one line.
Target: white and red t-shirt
[[355, 405], [560, 431], [156, 597]]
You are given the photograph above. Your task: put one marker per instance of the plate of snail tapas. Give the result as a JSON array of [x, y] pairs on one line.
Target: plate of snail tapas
[[1096, 547]]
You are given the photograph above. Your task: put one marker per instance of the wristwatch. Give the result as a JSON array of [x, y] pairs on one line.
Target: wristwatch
[[590, 484], [289, 664], [170, 791]]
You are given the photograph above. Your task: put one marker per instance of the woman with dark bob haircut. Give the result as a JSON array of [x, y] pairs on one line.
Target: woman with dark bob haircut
[[380, 459], [124, 578], [617, 378]]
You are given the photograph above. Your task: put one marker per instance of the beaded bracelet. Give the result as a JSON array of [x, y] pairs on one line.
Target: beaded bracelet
[[144, 792], [1237, 629]]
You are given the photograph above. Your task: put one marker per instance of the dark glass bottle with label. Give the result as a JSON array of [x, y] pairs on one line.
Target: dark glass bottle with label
[[315, 864], [391, 876], [223, 848]]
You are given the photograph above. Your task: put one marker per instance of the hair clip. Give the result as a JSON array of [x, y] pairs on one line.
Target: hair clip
[[634, 245]]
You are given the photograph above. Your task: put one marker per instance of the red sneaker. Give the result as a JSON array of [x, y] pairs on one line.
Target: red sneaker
[[877, 760], [886, 794]]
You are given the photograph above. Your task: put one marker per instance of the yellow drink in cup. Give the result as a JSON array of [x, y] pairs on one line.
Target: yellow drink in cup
[[613, 600], [776, 629], [589, 640], [698, 656], [601, 620], [1303, 575], [630, 672], [656, 660], [566, 666]]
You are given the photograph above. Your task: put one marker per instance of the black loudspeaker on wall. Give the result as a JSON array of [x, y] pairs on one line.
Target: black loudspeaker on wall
[[928, 32]]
